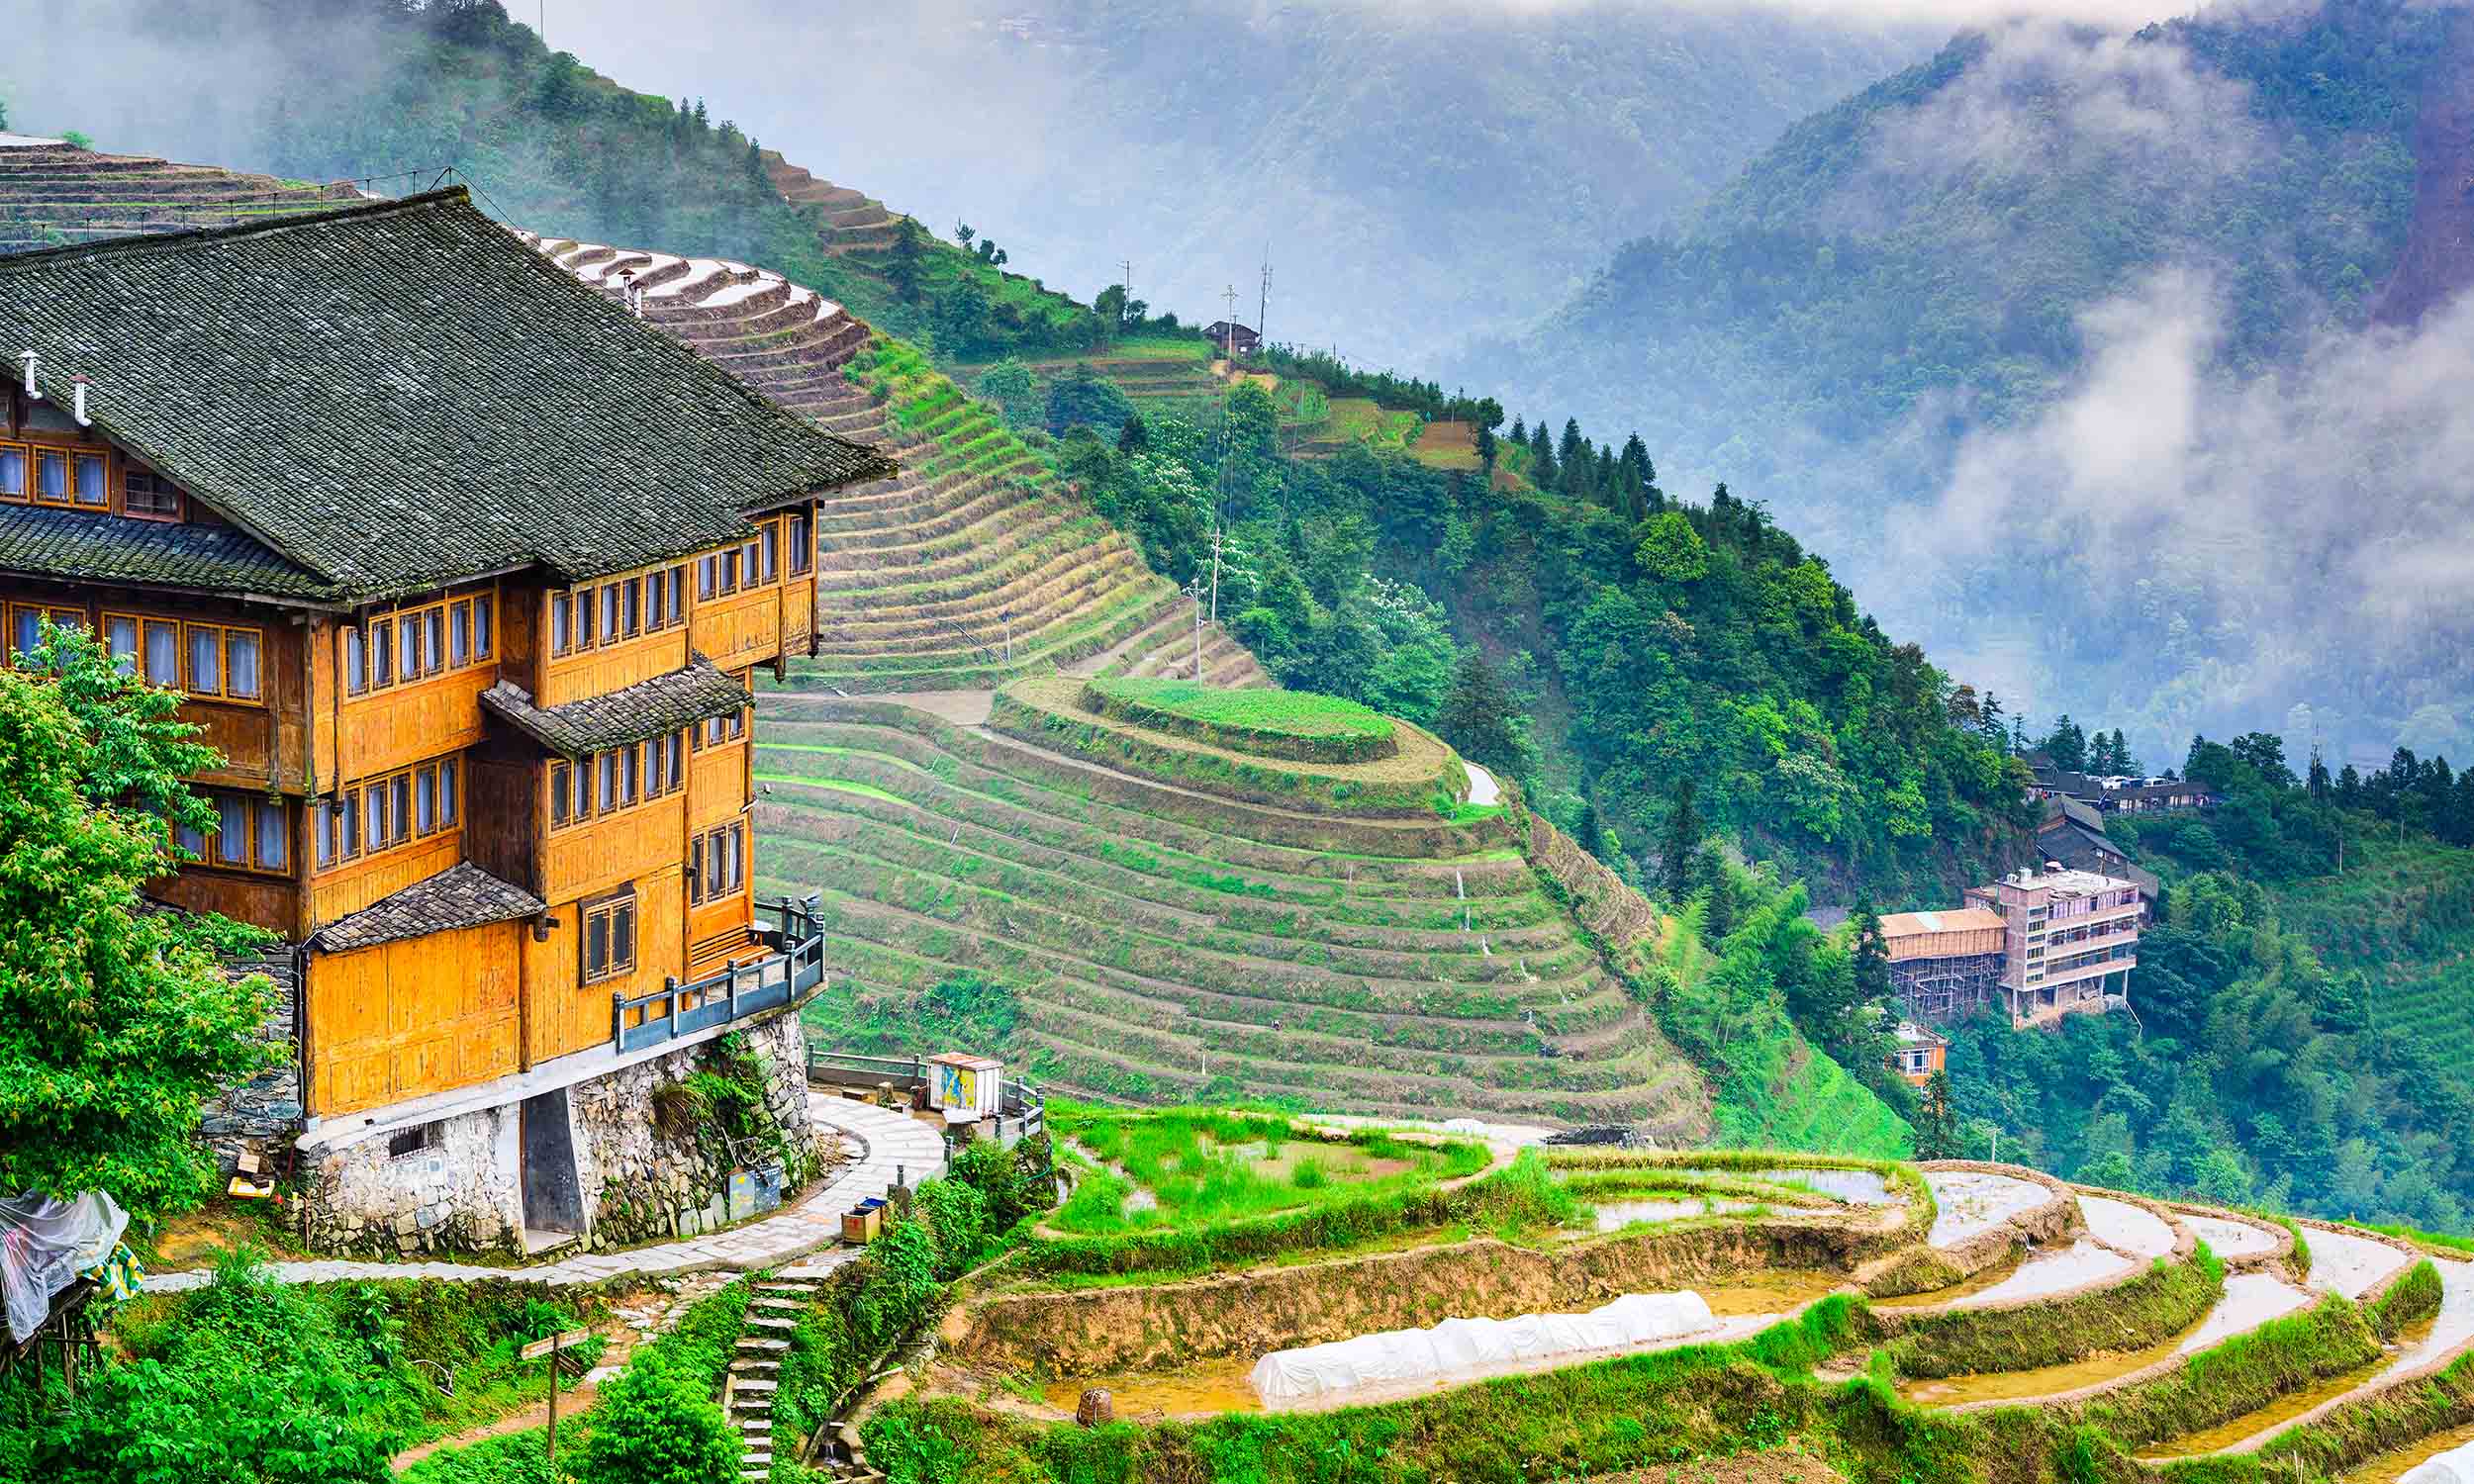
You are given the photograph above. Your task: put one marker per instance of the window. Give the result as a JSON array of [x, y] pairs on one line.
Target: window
[[449, 781], [192, 840], [399, 808], [51, 478], [708, 576], [678, 593], [722, 730], [676, 745], [162, 652], [26, 624], [272, 851], [631, 606], [730, 564], [425, 800], [206, 660], [562, 622], [610, 938], [119, 641], [611, 596], [414, 1141], [355, 662], [717, 863], [147, 494], [562, 782], [771, 545], [481, 647], [382, 653], [212, 659], [802, 546], [459, 634], [609, 767], [14, 484], [91, 491], [231, 834]]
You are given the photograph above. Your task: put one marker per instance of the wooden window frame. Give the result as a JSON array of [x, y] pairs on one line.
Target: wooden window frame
[[562, 623], [612, 910], [224, 632], [68, 499], [61, 617], [254, 808], [25, 492], [178, 498], [798, 542], [101, 505], [720, 851]]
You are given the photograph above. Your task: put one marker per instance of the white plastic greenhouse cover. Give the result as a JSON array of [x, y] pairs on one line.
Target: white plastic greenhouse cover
[[1466, 1347], [44, 1244], [2455, 1466]]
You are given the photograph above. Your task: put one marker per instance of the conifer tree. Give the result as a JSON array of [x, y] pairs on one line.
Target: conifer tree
[[1680, 846], [1478, 716], [1541, 458], [1936, 1133], [1590, 833], [1873, 956], [1487, 450]]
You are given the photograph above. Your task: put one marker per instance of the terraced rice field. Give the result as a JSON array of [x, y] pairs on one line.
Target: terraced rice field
[[971, 567], [1164, 938], [848, 221], [52, 192]]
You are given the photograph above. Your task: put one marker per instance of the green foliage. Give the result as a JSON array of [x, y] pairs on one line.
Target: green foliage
[[120, 1022], [655, 1424], [1270, 723], [248, 1381], [1483, 723], [1201, 1167], [2165, 1300]]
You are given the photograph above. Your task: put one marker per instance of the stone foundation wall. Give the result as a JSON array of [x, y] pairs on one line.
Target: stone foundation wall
[[266, 1108], [461, 1193], [642, 1175], [646, 1176]]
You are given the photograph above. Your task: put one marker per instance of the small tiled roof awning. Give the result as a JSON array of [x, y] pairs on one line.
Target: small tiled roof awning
[[647, 709], [461, 897], [76, 547]]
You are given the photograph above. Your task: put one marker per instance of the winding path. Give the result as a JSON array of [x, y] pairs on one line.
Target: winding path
[[890, 1143]]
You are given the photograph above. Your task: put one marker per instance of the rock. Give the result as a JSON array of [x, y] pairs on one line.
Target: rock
[[1097, 1409]]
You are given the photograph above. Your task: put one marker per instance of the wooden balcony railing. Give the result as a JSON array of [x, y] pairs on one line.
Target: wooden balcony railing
[[794, 968]]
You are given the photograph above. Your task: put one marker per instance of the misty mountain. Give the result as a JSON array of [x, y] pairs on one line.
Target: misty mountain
[[1416, 172], [2120, 369]]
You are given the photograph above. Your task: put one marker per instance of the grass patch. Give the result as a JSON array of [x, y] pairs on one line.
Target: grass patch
[[1203, 1167], [1292, 725]]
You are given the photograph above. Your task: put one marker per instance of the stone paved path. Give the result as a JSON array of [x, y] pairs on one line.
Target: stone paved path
[[890, 1143]]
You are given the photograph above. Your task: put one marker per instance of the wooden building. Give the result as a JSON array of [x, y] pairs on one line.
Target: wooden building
[[1945, 966], [465, 573]]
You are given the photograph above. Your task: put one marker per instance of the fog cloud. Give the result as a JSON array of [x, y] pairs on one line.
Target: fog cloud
[[2275, 535]]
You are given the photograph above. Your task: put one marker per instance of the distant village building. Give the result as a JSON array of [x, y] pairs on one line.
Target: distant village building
[[2065, 935], [1921, 1054], [464, 572], [2034, 944], [2124, 794], [2072, 833], [1945, 966], [1233, 339]]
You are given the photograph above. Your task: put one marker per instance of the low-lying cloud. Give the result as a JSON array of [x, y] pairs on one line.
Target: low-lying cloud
[[2289, 532]]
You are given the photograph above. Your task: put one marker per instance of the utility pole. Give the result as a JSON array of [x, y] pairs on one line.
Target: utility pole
[[1194, 590], [1263, 306], [1215, 572], [1125, 311], [1228, 335]]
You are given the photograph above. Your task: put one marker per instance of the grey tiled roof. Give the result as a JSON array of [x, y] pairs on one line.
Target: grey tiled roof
[[101, 548], [647, 709], [460, 896], [399, 395]]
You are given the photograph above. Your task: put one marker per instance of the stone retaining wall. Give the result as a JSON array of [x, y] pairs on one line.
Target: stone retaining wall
[[640, 1176], [268, 1108]]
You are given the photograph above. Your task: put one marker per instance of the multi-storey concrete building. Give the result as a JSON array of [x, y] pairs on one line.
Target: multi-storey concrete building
[[2066, 935]]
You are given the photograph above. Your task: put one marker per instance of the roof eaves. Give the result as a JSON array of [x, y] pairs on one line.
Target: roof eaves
[[151, 243]]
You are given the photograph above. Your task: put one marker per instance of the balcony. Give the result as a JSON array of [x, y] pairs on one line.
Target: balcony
[[766, 981]]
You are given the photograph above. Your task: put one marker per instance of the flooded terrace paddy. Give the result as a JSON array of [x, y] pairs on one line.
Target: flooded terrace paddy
[[1967, 1202], [2388, 1468]]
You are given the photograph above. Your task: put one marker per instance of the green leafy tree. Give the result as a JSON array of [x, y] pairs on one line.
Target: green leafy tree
[[653, 1424], [121, 1021], [1871, 958], [1010, 385], [906, 265], [1679, 845], [1672, 550], [1936, 1129], [1481, 720]]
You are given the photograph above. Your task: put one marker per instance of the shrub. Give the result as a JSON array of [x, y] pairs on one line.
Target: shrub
[[655, 1425]]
